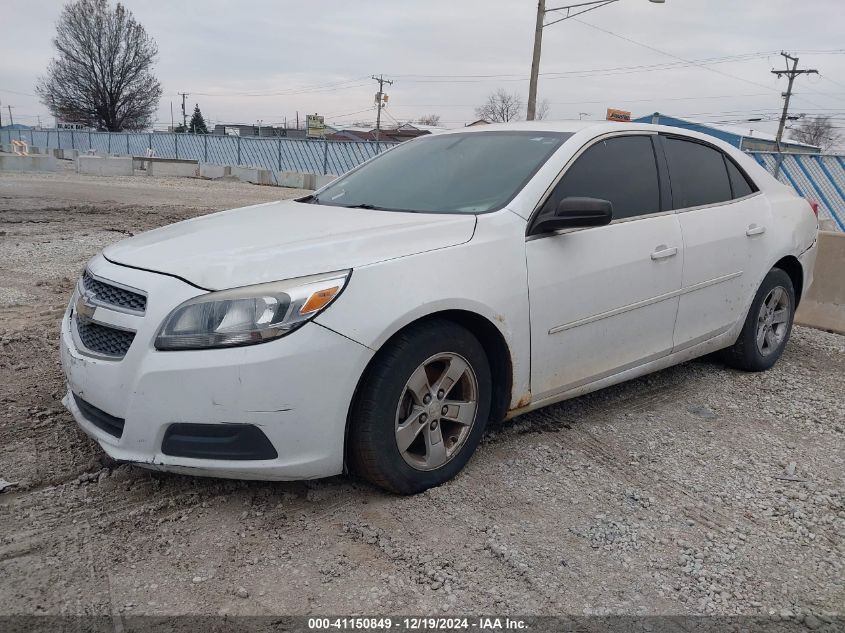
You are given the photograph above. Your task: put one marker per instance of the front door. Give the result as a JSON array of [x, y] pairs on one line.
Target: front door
[[604, 299]]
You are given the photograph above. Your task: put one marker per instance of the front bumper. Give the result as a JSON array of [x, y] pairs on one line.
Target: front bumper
[[296, 389]]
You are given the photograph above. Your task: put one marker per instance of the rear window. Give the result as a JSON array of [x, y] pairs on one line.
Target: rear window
[[739, 182], [697, 172]]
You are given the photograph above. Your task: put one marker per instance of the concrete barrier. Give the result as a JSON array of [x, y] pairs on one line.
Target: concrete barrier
[[65, 154], [823, 307], [293, 179], [13, 162], [172, 167], [323, 180], [207, 170], [101, 166], [253, 174]]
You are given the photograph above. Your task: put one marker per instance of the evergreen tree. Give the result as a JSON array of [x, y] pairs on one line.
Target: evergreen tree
[[197, 124]]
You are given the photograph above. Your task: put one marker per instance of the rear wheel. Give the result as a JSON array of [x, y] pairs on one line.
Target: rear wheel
[[767, 326], [421, 409]]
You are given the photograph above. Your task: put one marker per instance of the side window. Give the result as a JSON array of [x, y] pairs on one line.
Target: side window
[[698, 173], [739, 182], [621, 169]]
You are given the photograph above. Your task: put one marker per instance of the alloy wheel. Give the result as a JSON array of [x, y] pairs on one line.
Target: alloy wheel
[[436, 411], [773, 321]]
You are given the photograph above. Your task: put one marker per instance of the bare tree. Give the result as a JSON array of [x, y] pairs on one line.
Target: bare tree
[[500, 107], [542, 110], [429, 119], [102, 73], [817, 131]]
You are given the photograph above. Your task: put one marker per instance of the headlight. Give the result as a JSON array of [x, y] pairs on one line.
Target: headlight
[[249, 315]]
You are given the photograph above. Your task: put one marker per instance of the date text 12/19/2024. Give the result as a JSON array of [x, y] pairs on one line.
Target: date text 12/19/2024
[[416, 623]]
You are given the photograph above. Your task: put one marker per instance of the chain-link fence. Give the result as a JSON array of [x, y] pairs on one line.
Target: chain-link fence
[[312, 156], [820, 177]]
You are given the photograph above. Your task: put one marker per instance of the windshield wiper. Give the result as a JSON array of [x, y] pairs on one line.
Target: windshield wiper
[[364, 205], [310, 199]]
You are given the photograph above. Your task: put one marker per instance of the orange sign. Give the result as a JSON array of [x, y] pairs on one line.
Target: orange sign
[[618, 115]]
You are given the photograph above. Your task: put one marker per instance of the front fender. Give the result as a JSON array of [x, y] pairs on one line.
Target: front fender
[[485, 276]]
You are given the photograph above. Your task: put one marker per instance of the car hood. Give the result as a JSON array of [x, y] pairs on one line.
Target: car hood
[[285, 239]]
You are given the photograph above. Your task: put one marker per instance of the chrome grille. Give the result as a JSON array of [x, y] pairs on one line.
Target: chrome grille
[[107, 294], [104, 340]]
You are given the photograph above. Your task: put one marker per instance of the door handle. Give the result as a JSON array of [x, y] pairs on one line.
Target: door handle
[[755, 229], [661, 252]]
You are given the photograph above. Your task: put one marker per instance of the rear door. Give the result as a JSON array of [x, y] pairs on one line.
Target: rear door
[[723, 221], [604, 299]]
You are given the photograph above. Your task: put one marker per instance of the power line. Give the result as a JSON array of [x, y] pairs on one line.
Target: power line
[[338, 85], [662, 52], [340, 116], [15, 92], [831, 80], [709, 60]]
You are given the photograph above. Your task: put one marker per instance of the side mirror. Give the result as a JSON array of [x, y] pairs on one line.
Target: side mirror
[[574, 213]]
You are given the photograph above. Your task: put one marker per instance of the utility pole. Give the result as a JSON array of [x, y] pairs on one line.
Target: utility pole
[[11, 118], [381, 99], [184, 114], [1, 114], [791, 74], [535, 60], [571, 10]]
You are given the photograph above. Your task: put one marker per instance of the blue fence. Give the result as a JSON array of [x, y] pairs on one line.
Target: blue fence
[[311, 156], [817, 176]]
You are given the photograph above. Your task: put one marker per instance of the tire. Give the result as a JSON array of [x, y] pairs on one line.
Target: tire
[[398, 402], [747, 354]]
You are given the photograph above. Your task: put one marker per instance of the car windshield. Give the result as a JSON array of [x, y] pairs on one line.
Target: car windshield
[[469, 172]]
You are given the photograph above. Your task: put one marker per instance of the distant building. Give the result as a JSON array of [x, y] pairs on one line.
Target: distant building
[[478, 122], [745, 138], [264, 131]]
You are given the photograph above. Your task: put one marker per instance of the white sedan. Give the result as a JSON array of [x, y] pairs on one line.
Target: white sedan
[[379, 324]]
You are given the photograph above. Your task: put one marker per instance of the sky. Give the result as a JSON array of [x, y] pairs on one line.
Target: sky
[[708, 60]]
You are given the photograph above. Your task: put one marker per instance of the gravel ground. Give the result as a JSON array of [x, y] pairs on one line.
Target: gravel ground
[[696, 490]]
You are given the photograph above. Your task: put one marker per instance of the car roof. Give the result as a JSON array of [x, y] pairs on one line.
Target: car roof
[[585, 130], [526, 126], [592, 128]]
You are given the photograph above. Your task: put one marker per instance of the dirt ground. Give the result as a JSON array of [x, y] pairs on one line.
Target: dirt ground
[[696, 490]]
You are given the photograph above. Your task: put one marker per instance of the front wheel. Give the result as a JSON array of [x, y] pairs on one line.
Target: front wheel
[[421, 409], [767, 326]]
